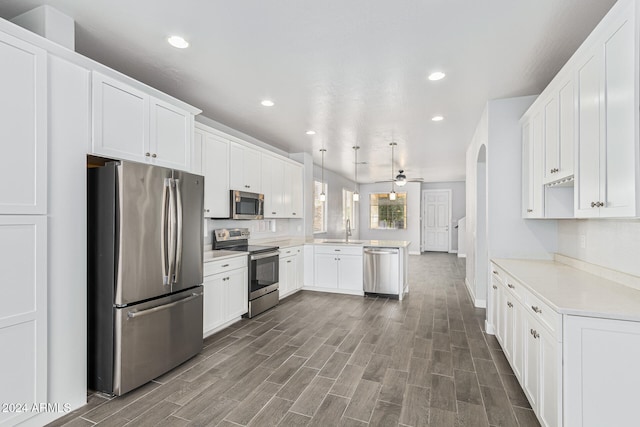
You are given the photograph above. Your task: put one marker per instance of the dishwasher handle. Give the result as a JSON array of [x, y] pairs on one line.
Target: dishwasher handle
[[381, 251]]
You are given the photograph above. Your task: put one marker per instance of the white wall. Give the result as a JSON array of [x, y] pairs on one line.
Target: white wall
[[458, 204], [611, 243], [508, 235], [335, 223], [411, 233]]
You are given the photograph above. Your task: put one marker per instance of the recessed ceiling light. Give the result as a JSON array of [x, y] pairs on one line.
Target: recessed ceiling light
[[267, 103], [177, 41], [437, 75], [437, 118], [311, 132]]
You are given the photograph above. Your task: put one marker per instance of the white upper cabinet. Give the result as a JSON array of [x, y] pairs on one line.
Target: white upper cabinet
[[211, 159], [23, 127], [170, 136], [282, 188], [132, 125], [558, 133], [532, 186], [296, 188], [608, 120], [245, 169]]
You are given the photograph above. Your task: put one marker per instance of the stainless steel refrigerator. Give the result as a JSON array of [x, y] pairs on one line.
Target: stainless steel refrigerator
[[145, 248]]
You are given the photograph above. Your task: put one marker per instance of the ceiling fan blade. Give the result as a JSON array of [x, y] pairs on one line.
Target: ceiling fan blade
[[388, 180], [415, 179]]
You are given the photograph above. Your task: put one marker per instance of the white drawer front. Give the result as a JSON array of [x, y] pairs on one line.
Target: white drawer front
[[341, 249], [545, 314], [215, 267]]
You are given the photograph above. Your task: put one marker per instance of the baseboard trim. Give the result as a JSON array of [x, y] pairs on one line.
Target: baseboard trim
[[414, 253], [462, 255], [489, 328], [479, 303], [332, 290], [453, 251]]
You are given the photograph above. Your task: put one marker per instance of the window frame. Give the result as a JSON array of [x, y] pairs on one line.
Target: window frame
[[316, 199], [399, 196]]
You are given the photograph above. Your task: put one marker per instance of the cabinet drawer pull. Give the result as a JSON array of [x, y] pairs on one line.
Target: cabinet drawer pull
[[529, 210], [536, 309], [294, 213], [495, 287], [534, 333], [288, 261], [154, 155], [337, 250], [496, 272], [509, 304], [593, 204], [147, 154], [511, 286], [224, 265]]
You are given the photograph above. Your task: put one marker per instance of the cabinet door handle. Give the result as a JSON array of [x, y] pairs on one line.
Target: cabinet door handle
[[273, 213], [288, 261], [495, 272], [511, 286], [593, 204], [536, 309], [509, 304], [154, 155], [147, 154], [495, 287], [529, 210], [534, 333], [600, 204]]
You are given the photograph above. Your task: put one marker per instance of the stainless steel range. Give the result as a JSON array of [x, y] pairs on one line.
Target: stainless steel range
[[264, 264]]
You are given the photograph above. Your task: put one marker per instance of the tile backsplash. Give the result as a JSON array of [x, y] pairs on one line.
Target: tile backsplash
[[260, 229], [611, 243]]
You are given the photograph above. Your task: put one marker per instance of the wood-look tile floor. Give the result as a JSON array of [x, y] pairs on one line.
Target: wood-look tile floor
[[336, 360]]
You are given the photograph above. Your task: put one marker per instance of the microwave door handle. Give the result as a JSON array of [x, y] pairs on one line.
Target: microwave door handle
[[172, 230], [179, 226], [164, 229]]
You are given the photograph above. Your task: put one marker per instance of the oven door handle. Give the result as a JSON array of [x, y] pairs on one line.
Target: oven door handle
[[265, 255]]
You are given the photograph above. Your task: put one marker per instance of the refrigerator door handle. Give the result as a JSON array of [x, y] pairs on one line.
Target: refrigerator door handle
[[172, 230], [178, 260], [134, 314], [166, 200]]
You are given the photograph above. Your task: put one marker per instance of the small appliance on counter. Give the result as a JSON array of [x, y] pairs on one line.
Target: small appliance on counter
[[264, 264], [145, 248]]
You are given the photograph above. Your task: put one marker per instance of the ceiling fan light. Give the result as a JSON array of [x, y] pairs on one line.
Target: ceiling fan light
[[392, 195], [401, 179]]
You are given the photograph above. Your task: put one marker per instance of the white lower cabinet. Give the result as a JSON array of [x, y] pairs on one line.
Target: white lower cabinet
[[338, 268], [531, 339], [23, 314], [601, 373], [225, 292], [291, 274]]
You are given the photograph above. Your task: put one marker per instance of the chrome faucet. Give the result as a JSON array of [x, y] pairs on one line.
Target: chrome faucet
[[348, 230]]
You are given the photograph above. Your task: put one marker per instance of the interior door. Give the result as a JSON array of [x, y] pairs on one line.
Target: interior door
[[436, 220]]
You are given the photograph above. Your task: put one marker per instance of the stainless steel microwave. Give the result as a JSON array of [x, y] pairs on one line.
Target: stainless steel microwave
[[247, 205]]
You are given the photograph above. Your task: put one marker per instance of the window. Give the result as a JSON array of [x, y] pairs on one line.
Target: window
[[319, 208], [388, 214], [348, 209]]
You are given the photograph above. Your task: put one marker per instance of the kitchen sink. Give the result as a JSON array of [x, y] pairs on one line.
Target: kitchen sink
[[343, 242]]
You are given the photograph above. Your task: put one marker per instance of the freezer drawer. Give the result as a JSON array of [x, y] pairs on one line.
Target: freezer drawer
[[382, 271], [153, 337]]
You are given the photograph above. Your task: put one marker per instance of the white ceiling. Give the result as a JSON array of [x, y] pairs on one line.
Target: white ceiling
[[355, 71]]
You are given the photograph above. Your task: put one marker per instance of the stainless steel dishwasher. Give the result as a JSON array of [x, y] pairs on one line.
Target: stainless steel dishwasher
[[382, 271]]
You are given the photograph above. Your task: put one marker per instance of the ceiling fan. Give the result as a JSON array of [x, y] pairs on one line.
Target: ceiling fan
[[401, 178]]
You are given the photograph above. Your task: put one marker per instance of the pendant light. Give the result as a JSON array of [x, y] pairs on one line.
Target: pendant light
[[392, 194], [323, 196], [356, 195]]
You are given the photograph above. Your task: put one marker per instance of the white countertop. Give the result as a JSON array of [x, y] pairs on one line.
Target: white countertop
[[569, 290], [221, 254]]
